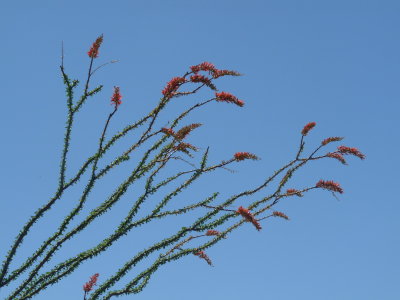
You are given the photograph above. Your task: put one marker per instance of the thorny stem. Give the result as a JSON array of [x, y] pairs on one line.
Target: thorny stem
[[62, 186], [218, 208], [142, 139], [96, 157], [124, 227], [95, 213], [102, 172], [85, 92]]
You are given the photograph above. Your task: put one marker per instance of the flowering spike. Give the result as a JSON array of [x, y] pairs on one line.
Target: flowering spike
[[227, 97], [172, 86], [184, 131], [220, 73], [280, 215], [205, 66], [116, 97], [88, 286], [94, 50], [204, 256], [331, 139], [244, 155], [337, 156], [246, 214], [212, 232], [184, 147], [351, 151], [291, 192], [203, 79], [168, 131], [307, 128], [329, 185]]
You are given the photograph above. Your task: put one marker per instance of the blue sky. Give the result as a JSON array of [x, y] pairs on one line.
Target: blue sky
[[332, 62]]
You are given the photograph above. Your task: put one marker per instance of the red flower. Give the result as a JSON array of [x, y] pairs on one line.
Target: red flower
[[200, 78], [329, 185], [172, 86], [337, 156], [116, 97], [205, 66], [227, 97], [94, 50], [203, 79], [331, 139], [204, 256], [280, 215], [351, 151], [291, 192], [209, 67], [167, 131], [183, 147], [220, 73], [88, 286], [212, 232], [308, 127], [184, 131], [246, 214], [244, 155]]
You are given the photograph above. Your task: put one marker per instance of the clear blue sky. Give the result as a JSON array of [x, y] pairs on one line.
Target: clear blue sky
[[332, 62]]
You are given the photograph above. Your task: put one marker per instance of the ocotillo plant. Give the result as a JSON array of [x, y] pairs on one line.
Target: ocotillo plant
[[215, 218]]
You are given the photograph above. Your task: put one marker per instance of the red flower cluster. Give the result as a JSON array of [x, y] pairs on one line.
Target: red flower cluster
[[331, 139], [94, 50], [337, 156], [244, 155], [168, 131], [88, 286], [308, 127], [205, 66], [204, 256], [329, 185], [184, 131], [172, 86], [351, 151], [246, 214], [184, 147], [220, 73], [116, 97], [280, 215], [203, 79], [209, 67], [291, 192], [227, 97], [212, 232]]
